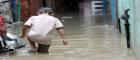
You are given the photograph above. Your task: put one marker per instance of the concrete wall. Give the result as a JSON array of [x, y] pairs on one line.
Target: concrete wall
[[134, 22], [136, 30]]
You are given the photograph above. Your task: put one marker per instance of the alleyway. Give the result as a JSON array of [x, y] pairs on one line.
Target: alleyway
[[90, 38]]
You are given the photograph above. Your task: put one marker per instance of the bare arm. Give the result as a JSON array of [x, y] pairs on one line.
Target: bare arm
[[63, 36], [24, 31]]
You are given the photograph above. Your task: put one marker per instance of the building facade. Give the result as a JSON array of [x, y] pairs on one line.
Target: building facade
[[134, 21]]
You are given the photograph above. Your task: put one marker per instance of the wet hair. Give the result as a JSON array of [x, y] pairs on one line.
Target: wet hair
[[45, 10]]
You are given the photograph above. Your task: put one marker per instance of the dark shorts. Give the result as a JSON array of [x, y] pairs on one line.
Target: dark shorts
[[43, 48]]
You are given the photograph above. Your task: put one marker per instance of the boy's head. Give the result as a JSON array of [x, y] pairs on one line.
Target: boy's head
[[45, 10]]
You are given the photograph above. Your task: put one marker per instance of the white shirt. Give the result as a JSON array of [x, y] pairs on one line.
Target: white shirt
[[42, 26]]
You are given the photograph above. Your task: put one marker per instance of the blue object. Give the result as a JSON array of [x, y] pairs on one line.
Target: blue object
[[14, 10], [113, 10], [104, 7]]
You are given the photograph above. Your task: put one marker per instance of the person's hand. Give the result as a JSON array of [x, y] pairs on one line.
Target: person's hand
[[22, 36], [65, 42]]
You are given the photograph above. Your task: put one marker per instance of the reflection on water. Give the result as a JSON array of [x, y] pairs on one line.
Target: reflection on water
[[89, 38]]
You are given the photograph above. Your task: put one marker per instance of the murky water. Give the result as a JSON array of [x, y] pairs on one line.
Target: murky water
[[90, 38]]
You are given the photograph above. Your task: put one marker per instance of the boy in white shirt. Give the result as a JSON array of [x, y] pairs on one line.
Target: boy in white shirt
[[40, 29]]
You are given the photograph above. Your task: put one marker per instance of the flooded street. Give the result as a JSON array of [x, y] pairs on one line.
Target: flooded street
[[90, 38]]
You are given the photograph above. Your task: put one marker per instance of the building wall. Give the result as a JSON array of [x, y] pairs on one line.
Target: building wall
[[134, 22], [25, 13], [136, 25], [29, 8]]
